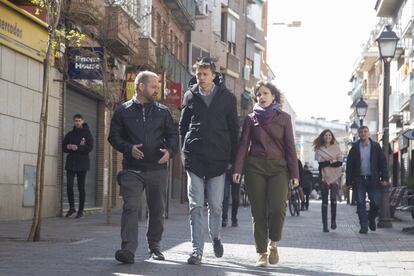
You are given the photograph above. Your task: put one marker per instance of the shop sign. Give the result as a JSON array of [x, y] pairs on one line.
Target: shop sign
[[22, 32], [85, 63]]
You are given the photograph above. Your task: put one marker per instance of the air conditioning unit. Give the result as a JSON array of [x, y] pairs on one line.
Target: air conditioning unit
[[246, 72], [202, 7]]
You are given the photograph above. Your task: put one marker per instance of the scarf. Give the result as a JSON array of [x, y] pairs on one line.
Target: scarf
[[265, 115], [332, 152]]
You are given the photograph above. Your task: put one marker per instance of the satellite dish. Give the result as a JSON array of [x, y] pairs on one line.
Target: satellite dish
[[409, 134]]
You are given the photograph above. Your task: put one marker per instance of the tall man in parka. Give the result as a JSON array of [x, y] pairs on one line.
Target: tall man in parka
[[209, 132], [144, 131]]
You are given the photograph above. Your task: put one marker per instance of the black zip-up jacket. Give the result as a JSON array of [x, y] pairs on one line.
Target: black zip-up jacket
[[149, 124], [209, 134], [78, 160], [379, 170]]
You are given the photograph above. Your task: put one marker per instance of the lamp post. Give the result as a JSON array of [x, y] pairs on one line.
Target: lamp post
[[361, 110], [387, 44], [354, 130]]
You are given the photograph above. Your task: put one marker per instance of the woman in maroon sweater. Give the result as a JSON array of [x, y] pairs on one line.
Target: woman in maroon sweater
[[267, 155]]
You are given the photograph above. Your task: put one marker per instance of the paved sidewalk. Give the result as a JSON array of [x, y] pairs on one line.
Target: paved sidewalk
[[87, 246]]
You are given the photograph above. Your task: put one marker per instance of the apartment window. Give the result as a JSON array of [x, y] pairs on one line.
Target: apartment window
[[153, 18], [255, 13], [256, 64], [181, 52], [228, 31], [231, 34], [164, 32], [176, 47], [171, 42], [197, 52], [158, 35]]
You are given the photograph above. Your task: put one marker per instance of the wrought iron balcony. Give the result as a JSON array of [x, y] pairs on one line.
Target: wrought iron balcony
[[184, 11]]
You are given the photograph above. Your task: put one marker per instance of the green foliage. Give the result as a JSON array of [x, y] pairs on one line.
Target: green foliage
[[59, 36]]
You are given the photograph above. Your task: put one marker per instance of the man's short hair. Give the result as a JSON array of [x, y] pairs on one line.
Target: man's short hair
[[77, 116], [205, 62], [143, 77], [362, 127]]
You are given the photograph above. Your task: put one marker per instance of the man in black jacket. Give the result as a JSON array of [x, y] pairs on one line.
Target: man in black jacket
[[209, 132], [144, 131], [366, 169], [78, 143]]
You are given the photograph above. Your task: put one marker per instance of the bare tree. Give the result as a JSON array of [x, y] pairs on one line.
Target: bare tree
[[53, 10]]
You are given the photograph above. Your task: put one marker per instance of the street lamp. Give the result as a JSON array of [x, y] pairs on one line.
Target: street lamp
[[293, 24], [387, 44], [354, 130], [361, 110]]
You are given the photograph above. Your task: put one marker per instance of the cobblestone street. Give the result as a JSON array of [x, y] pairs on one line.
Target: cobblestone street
[[87, 246]]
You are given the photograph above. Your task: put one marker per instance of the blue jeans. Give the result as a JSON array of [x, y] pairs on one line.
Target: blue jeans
[[365, 186], [214, 188]]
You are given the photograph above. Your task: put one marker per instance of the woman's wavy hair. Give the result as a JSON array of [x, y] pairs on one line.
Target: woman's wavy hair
[[319, 142], [273, 89]]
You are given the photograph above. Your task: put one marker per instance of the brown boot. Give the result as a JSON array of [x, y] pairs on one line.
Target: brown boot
[[262, 261], [273, 255]]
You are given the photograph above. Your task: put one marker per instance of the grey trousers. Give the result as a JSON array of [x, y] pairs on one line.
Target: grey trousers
[[132, 184]]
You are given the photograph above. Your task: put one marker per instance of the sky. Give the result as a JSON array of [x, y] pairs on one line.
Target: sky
[[313, 63]]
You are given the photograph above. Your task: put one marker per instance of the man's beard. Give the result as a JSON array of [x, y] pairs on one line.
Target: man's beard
[[148, 97]]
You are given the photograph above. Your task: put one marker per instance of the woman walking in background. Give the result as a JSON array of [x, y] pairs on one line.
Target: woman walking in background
[[268, 145], [328, 154]]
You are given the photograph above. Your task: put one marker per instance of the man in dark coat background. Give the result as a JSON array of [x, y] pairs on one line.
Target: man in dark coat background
[[78, 143], [366, 169]]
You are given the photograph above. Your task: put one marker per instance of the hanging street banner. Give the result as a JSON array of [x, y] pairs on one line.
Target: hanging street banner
[[85, 63], [174, 94]]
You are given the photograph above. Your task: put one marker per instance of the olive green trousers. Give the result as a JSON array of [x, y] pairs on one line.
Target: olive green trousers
[[267, 188]]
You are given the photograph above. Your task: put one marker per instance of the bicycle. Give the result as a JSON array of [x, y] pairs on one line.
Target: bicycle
[[294, 200]]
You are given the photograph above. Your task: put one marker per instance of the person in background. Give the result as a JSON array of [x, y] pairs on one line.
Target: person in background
[[235, 200], [78, 143], [366, 169], [306, 184], [328, 154]]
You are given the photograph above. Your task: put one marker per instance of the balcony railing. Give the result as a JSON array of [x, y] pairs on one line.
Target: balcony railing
[[251, 30], [175, 70], [404, 100], [147, 53], [184, 12], [122, 32], [233, 63], [87, 11]]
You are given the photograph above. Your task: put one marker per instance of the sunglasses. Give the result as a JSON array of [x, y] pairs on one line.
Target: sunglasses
[[205, 61]]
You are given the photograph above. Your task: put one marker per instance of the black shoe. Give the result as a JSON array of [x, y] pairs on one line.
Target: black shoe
[[70, 212], [79, 214], [156, 254], [224, 223], [234, 223], [372, 224], [124, 256], [325, 229], [363, 230], [218, 248], [195, 258], [333, 225]]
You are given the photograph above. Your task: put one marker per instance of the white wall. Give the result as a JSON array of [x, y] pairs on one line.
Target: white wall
[[20, 102]]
